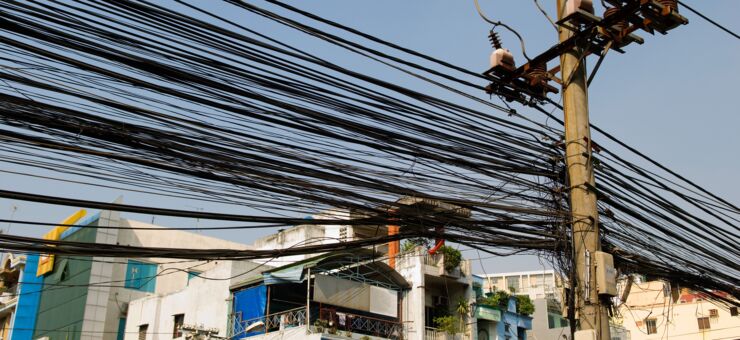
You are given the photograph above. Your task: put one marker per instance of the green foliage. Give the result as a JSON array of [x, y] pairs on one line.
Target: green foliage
[[365, 337], [499, 298], [448, 324], [412, 243], [524, 305], [408, 246], [452, 257], [462, 307]]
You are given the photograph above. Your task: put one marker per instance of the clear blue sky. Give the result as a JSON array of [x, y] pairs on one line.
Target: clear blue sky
[[672, 98]]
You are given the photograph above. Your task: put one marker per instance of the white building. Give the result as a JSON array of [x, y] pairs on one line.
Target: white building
[[204, 301], [368, 293], [653, 311], [98, 310], [538, 284], [11, 268], [304, 235]]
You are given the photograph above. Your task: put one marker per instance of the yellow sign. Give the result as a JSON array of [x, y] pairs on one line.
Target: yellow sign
[[46, 261]]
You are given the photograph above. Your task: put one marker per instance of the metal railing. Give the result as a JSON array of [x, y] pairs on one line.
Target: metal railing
[[431, 333], [239, 328], [434, 334], [353, 323]]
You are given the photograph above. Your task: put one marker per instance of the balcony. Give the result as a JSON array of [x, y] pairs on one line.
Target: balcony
[[431, 333], [239, 328], [435, 265], [346, 324]]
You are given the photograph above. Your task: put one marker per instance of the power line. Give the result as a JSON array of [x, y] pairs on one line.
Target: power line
[[710, 20]]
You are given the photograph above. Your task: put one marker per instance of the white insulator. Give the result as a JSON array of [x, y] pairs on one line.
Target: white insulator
[[502, 58]]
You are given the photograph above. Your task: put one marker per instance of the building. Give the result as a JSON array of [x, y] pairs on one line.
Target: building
[[79, 297], [538, 284], [11, 268], [368, 293], [204, 302], [544, 288], [303, 235], [548, 321], [421, 287], [501, 321], [435, 291], [653, 310], [332, 295]]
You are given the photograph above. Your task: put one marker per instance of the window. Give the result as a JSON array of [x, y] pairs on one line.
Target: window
[[141, 276], [512, 283], [733, 311], [713, 313], [177, 330], [142, 332], [61, 271], [651, 325], [703, 323]]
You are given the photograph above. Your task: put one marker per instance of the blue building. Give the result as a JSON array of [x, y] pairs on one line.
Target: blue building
[[500, 322]]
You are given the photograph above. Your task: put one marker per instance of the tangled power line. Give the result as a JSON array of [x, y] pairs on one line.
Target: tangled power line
[[200, 103]]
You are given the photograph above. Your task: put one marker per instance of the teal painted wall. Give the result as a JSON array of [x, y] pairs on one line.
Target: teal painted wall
[[61, 309]]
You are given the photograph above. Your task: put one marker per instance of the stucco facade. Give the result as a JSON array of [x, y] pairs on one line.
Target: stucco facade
[[87, 298], [204, 302], [653, 311]]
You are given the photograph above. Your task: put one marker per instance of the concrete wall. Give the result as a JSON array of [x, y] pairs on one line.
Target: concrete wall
[[426, 284], [204, 302], [541, 326], [317, 234], [674, 320]]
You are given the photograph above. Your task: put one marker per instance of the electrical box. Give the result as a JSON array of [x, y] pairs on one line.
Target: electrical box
[[589, 334], [606, 275]]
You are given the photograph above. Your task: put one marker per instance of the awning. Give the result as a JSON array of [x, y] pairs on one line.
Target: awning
[[292, 274], [357, 265]]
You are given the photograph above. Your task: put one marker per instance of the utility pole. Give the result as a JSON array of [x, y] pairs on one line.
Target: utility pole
[[590, 312]]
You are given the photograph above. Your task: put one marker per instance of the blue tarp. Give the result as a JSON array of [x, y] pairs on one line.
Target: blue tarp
[[28, 300], [249, 307]]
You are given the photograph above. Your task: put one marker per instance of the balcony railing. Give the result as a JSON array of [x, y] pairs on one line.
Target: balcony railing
[[431, 333], [437, 260], [353, 323], [239, 328]]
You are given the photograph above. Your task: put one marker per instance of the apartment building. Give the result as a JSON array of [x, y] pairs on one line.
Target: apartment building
[[368, 293], [203, 302], [538, 284], [655, 311], [82, 297], [11, 268]]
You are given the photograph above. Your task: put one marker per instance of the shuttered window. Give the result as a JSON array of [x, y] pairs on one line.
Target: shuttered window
[[141, 276]]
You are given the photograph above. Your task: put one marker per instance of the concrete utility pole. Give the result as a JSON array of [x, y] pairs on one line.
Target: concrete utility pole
[[590, 312]]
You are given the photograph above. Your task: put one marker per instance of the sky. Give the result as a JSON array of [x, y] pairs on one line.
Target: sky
[[671, 98]]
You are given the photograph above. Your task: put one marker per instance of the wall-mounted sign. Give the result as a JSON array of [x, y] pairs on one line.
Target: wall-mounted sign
[[46, 261], [487, 313]]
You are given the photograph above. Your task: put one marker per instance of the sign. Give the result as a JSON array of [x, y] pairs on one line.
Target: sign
[[46, 261], [487, 313]]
